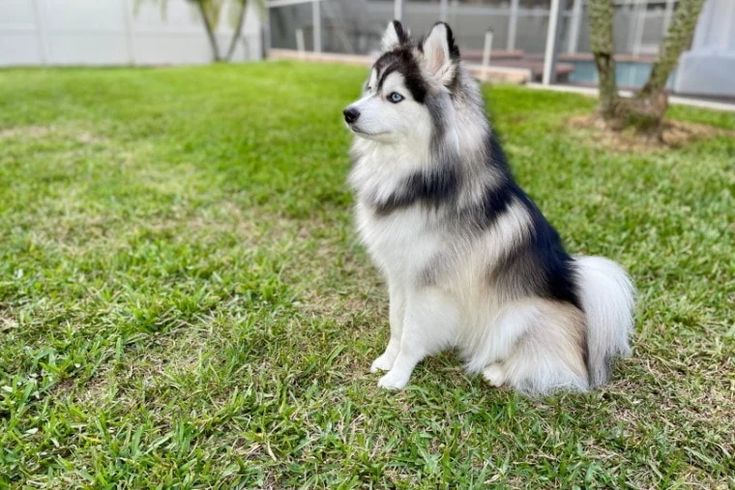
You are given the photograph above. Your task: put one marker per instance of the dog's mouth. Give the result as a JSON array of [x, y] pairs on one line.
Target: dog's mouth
[[359, 131]]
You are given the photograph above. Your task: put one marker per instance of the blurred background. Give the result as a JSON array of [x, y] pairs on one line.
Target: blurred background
[[513, 39]]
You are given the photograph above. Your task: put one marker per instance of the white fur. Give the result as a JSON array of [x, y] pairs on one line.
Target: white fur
[[608, 300]]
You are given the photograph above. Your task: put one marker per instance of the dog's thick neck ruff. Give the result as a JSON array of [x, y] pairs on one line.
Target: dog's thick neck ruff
[[456, 237]]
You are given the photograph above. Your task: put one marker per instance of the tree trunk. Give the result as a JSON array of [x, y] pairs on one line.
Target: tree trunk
[[210, 32], [601, 15], [238, 30], [645, 111], [678, 38]]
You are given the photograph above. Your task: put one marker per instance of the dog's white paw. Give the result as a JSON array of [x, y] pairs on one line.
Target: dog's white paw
[[382, 363], [393, 380], [494, 374]]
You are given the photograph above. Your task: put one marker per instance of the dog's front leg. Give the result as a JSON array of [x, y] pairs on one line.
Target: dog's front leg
[[429, 326], [397, 310]]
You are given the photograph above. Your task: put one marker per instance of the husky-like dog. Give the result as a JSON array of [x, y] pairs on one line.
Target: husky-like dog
[[470, 261]]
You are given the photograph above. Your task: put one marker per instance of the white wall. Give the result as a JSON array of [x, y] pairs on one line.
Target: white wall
[[709, 67], [109, 32]]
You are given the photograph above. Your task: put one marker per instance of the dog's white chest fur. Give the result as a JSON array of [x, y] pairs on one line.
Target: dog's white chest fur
[[401, 244]]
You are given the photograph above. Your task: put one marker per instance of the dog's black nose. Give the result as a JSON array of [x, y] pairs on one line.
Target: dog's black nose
[[351, 114]]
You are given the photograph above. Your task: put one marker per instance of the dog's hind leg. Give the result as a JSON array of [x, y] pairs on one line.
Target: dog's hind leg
[[429, 326], [551, 355], [397, 311]]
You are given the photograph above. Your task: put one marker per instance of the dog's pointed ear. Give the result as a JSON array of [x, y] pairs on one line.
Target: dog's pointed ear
[[441, 54], [395, 35]]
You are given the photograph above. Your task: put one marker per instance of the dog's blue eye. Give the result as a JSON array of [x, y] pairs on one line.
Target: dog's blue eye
[[395, 97]]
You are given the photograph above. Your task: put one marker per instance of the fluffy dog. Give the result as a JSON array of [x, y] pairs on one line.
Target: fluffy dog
[[470, 261]]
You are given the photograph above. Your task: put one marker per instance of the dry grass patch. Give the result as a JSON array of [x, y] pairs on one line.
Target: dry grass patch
[[676, 134], [36, 132]]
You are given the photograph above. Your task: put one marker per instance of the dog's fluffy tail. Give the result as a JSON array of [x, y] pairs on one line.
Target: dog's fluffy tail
[[607, 296]]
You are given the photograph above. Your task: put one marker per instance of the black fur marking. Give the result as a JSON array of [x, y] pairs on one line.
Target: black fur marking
[[390, 69], [494, 203], [431, 189], [402, 61], [434, 104], [401, 33], [496, 198], [496, 155], [539, 266]]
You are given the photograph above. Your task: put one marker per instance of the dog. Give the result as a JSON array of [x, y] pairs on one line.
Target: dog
[[470, 262]]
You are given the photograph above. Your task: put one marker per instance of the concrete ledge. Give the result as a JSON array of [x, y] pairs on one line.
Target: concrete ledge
[[673, 99], [497, 74], [346, 59], [501, 74], [706, 73]]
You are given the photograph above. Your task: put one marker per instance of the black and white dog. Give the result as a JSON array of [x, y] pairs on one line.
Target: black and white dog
[[470, 261]]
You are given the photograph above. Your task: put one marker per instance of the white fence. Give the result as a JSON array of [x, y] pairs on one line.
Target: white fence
[[115, 32], [355, 26]]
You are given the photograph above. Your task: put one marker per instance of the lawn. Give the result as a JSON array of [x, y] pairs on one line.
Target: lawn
[[184, 304]]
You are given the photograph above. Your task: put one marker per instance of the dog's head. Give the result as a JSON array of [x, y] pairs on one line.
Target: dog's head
[[408, 86]]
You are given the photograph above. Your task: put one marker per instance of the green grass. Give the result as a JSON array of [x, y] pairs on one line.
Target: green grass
[[183, 302]]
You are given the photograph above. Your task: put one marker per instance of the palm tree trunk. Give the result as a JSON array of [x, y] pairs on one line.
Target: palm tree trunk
[[238, 30], [210, 32]]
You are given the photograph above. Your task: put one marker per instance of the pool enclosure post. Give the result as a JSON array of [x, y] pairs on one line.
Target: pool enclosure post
[[267, 43], [128, 24], [398, 9], [510, 43], [486, 54], [443, 10], [43, 47], [639, 21], [574, 25], [552, 37], [316, 20], [300, 42]]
